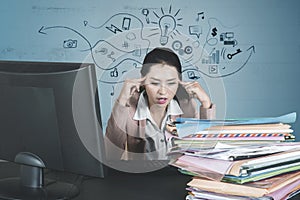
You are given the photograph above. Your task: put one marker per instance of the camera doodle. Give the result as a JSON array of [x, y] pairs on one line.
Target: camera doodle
[[70, 43]]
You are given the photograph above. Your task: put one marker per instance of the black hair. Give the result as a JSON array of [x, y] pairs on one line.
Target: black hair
[[166, 56]]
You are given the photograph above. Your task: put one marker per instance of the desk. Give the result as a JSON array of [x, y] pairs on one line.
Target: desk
[[160, 185], [164, 184]]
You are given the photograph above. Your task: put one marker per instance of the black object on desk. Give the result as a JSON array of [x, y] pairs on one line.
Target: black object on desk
[[163, 184]]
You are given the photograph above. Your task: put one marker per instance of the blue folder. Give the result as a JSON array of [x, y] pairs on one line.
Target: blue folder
[[187, 126]]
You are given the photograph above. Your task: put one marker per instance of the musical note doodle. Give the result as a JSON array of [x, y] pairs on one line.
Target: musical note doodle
[[198, 16]]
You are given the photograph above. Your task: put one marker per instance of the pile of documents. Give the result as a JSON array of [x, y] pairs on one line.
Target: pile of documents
[[238, 159], [205, 133]]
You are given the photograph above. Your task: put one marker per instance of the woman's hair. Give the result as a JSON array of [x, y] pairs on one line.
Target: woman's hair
[[161, 56], [166, 56]]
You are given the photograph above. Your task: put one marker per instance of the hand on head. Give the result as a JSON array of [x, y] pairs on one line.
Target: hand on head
[[195, 90], [130, 87]]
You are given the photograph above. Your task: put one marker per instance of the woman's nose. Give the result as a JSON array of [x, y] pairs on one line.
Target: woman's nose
[[162, 89]]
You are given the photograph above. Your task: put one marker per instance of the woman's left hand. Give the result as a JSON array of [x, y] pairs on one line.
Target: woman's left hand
[[195, 90]]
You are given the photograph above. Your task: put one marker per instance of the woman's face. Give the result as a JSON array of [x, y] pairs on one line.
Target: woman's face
[[161, 84]]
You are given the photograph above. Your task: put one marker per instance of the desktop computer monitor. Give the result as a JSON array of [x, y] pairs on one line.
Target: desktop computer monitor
[[49, 118]]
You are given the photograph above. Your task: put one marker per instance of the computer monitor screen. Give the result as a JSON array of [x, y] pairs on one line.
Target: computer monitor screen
[[51, 111]]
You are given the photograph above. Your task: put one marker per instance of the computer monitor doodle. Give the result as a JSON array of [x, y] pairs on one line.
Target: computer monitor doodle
[[49, 118]]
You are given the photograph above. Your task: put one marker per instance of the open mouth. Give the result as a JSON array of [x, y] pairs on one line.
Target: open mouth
[[162, 100]]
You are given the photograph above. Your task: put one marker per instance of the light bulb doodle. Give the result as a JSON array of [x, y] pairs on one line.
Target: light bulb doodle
[[167, 25]]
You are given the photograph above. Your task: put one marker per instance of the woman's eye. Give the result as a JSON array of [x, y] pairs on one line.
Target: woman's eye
[[171, 83], [154, 83]]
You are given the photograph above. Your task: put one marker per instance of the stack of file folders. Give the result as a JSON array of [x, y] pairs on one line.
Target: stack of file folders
[[267, 166], [206, 133]]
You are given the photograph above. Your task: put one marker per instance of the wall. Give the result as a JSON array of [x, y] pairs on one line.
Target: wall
[[245, 53]]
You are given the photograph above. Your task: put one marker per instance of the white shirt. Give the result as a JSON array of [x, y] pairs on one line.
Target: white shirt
[[156, 143]]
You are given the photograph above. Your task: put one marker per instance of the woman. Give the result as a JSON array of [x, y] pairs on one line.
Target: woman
[[137, 126]]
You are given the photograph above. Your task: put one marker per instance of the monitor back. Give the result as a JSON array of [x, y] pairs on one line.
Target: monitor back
[[52, 110]]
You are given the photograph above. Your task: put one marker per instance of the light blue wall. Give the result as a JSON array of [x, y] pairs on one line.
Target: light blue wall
[[261, 80]]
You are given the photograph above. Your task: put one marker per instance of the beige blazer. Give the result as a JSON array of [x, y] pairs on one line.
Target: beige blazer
[[125, 133]]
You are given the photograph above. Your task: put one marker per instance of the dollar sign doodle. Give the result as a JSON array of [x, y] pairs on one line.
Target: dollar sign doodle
[[214, 31]]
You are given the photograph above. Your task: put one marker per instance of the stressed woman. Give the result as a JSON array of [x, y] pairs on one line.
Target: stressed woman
[[137, 126]]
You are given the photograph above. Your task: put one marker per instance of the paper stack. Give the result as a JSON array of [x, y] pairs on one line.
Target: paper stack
[[206, 133], [239, 159]]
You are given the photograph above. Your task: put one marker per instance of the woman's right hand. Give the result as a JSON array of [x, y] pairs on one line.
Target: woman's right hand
[[130, 87]]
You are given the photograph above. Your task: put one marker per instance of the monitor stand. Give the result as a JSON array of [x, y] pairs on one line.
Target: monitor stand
[[31, 183]]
